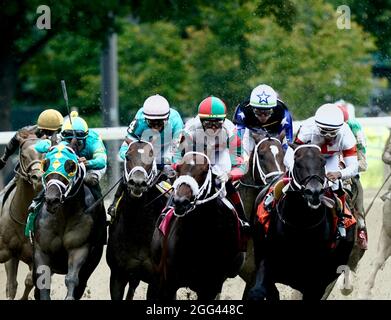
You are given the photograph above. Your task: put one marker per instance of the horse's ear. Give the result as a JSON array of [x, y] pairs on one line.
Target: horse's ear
[[45, 164], [281, 136], [73, 144], [53, 140]]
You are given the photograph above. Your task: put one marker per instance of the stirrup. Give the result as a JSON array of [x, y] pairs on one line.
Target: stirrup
[[341, 231]]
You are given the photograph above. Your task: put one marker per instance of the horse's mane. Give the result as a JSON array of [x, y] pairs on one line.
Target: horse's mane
[[26, 133]]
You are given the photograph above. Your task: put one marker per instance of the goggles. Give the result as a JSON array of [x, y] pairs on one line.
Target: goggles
[[262, 112], [155, 123], [213, 124], [328, 133], [78, 134]]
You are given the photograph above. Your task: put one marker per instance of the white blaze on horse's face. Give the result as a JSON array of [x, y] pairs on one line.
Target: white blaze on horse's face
[[274, 151], [141, 151]]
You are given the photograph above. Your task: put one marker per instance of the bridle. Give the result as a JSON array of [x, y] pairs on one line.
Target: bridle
[[301, 185], [63, 188], [256, 162], [200, 194], [26, 172], [149, 177]]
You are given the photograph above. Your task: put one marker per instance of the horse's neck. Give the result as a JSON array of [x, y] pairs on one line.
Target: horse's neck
[[24, 194]]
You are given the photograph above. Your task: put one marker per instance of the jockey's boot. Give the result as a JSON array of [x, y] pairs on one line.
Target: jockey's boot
[[341, 230], [234, 197], [112, 209]]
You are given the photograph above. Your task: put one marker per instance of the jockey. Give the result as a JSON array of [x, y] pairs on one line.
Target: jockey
[[328, 130], [214, 135], [158, 123], [264, 110], [90, 150], [49, 123], [355, 126]]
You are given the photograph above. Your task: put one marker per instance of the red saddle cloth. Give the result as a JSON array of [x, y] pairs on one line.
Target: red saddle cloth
[[164, 225], [264, 217], [262, 214]]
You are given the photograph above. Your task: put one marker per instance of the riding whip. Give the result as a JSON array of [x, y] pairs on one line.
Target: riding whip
[[65, 94], [377, 193]]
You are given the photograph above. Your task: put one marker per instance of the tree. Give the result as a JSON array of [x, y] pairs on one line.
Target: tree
[[22, 39]]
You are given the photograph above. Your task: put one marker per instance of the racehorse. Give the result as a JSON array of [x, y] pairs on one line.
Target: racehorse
[[68, 237], [128, 250], [14, 246], [196, 245], [266, 164], [384, 246], [298, 250]]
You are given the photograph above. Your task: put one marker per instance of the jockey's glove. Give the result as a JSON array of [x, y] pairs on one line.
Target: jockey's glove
[[169, 171], [91, 179]]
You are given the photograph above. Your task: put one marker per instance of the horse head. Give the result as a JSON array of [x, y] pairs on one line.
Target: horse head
[[194, 180], [29, 160], [61, 173], [139, 167], [308, 173], [267, 160]]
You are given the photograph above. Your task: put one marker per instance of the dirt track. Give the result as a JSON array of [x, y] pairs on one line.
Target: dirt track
[[98, 285]]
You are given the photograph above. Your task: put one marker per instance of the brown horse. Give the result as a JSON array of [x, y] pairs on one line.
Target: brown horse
[[69, 231], [129, 245], [14, 246], [266, 164], [200, 248]]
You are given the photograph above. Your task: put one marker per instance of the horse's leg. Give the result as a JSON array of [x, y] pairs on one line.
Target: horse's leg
[[41, 274], [28, 283], [88, 267], [76, 259], [259, 290], [118, 281], [383, 252], [11, 269], [133, 284]]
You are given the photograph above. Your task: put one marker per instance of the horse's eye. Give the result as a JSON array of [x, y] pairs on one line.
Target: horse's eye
[[127, 158]]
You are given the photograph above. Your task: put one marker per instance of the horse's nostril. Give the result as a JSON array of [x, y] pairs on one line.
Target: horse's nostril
[[131, 182]]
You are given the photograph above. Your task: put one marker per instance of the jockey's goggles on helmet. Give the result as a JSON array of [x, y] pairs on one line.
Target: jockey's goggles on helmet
[[262, 112], [155, 123], [328, 132], [212, 123], [70, 134]]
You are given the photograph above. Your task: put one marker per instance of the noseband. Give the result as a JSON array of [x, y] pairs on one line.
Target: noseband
[[149, 177], [200, 194]]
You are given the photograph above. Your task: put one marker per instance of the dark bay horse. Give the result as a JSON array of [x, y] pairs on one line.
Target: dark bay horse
[[128, 249], [297, 250], [266, 164], [200, 248], [14, 246], [68, 239]]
